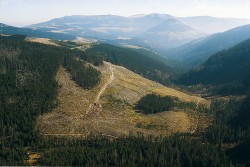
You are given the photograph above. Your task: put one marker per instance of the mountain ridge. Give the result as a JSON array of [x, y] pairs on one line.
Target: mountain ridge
[[197, 51], [138, 28], [227, 69], [111, 27], [10, 30]]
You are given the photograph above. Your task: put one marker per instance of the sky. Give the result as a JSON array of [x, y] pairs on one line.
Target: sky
[[26, 12]]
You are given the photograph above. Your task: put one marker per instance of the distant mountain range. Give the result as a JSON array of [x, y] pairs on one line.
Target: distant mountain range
[[152, 30], [170, 33], [184, 41], [213, 25], [9, 30], [228, 70], [198, 51]]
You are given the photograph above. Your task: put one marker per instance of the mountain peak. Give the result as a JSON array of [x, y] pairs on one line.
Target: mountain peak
[[171, 25], [157, 15], [152, 15]]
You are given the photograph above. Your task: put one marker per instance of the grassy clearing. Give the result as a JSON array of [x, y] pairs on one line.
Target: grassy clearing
[[41, 40], [116, 116]]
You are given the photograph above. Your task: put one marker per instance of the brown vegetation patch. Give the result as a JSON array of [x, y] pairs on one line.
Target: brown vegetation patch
[[41, 40], [34, 157], [113, 115]]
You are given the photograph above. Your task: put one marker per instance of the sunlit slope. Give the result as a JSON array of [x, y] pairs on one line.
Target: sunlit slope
[[46, 41], [131, 87], [78, 115]]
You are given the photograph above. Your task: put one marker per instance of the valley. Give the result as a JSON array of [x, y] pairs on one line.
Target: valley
[[141, 90]]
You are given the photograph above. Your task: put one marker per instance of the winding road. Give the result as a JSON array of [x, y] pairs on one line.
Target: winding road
[[197, 120], [95, 105], [106, 85]]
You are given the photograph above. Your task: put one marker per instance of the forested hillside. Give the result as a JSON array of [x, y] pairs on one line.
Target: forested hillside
[[133, 151], [198, 51], [145, 63], [28, 88], [84, 75], [228, 70], [10, 30], [228, 131], [152, 103]]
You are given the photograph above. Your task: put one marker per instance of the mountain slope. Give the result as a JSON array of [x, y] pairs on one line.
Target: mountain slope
[[197, 51], [145, 63], [111, 27], [10, 30], [79, 114], [140, 30], [34, 82], [241, 121], [228, 69], [170, 33], [213, 25]]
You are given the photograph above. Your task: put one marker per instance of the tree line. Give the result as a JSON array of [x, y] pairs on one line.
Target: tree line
[[226, 72], [153, 103], [142, 62], [132, 151], [28, 89]]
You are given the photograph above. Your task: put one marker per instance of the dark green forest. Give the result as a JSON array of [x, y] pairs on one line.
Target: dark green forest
[[153, 103], [10, 30], [241, 122], [84, 75], [28, 88], [198, 51], [227, 72], [231, 128], [144, 63], [133, 151]]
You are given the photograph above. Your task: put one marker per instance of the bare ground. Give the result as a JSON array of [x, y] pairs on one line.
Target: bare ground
[[115, 96], [41, 40]]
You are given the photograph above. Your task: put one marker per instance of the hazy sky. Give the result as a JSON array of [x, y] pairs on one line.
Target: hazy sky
[[25, 12]]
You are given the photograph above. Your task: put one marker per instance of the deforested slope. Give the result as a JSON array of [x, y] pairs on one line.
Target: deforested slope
[[79, 114]]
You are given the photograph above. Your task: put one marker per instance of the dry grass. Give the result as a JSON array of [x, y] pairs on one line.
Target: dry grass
[[114, 115], [33, 158], [41, 40], [131, 87]]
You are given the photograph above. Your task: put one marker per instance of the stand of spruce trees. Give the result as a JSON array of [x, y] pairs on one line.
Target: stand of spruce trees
[[28, 89]]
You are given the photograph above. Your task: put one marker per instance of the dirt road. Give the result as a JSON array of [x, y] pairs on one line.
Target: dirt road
[[106, 85], [95, 105], [197, 119]]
